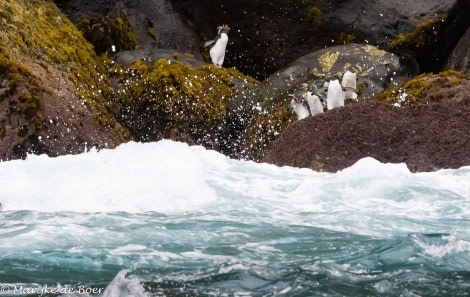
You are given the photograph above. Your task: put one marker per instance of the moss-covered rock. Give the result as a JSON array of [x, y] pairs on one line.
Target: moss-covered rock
[[109, 34], [53, 95], [170, 98], [420, 38], [446, 86]]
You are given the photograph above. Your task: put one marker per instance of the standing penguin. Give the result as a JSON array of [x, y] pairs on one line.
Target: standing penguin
[[300, 109], [335, 95], [349, 82], [314, 103], [218, 45]]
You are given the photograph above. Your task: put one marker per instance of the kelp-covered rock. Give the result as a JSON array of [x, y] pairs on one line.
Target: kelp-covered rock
[[169, 99], [264, 111], [53, 94]]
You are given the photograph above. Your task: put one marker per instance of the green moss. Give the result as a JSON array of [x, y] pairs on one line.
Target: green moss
[[346, 38], [19, 78], [313, 16], [31, 105], [407, 93], [170, 94], [151, 32], [104, 32], [415, 90], [51, 39], [459, 76], [422, 36]]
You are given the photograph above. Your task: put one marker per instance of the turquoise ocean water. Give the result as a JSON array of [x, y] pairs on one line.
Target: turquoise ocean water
[[166, 219]]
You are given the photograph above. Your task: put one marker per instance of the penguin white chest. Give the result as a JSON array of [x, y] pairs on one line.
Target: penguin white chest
[[314, 103], [299, 109], [217, 52], [335, 95], [349, 81]]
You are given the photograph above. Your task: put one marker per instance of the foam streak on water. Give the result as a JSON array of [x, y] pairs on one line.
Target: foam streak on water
[[165, 219]]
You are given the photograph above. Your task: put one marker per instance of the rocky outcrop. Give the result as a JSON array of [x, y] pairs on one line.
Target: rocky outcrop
[[261, 113], [425, 137], [460, 58], [53, 94], [59, 95], [268, 35], [155, 23], [423, 123]]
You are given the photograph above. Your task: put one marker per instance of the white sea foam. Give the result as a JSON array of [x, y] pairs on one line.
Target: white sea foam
[[167, 177]]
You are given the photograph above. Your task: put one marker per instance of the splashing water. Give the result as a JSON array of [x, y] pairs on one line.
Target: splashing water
[[166, 219]]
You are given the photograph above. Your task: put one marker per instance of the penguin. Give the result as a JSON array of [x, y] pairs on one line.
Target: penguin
[[218, 45], [299, 107], [348, 83], [315, 96], [314, 104], [335, 95]]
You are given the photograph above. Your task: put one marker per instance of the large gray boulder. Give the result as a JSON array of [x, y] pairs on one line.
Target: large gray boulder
[[377, 67], [262, 112]]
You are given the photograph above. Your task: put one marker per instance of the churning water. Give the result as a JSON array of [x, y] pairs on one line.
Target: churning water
[[166, 219]]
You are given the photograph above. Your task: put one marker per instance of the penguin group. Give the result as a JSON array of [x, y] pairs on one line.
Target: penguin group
[[328, 94], [218, 45]]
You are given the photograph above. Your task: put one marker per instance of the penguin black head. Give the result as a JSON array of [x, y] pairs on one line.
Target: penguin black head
[[296, 98], [223, 29]]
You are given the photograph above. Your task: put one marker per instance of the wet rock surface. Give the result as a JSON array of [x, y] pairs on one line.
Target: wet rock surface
[[425, 137]]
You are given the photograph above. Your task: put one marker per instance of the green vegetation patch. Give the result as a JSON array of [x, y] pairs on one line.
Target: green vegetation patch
[[35, 32], [18, 81], [106, 32], [415, 90], [153, 100], [423, 36], [313, 16]]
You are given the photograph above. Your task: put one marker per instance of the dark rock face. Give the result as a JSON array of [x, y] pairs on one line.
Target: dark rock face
[[155, 22], [52, 101], [267, 35], [425, 137], [460, 59]]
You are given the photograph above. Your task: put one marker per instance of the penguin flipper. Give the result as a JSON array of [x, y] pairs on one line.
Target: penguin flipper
[[349, 89], [212, 42], [209, 43]]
